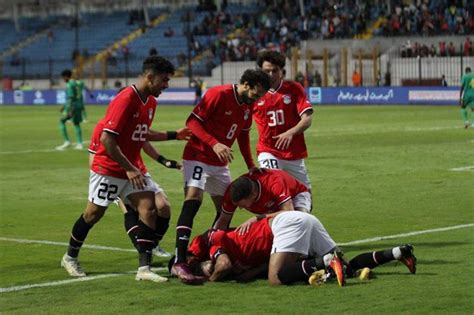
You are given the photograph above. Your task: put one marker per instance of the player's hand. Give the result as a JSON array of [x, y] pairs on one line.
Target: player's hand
[[283, 141], [183, 133], [137, 179], [169, 163], [245, 227], [223, 152]]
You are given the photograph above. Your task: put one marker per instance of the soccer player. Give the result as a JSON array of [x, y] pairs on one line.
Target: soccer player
[[223, 115], [70, 111], [295, 243], [80, 88], [116, 171], [263, 193], [131, 219], [282, 116], [467, 97]]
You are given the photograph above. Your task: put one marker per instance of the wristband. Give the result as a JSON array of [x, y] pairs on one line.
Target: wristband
[[167, 163], [171, 135]]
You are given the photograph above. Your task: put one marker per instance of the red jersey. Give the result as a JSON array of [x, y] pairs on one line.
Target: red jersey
[[129, 119], [275, 187], [95, 143], [223, 117], [245, 251], [276, 112]]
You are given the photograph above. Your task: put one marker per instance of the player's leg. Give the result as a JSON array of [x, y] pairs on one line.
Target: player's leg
[[371, 260], [302, 202], [162, 221], [464, 114], [102, 191], [144, 202], [63, 130], [79, 232], [297, 169], [77, 119], [216, 186], [471, 105], [277, 262]]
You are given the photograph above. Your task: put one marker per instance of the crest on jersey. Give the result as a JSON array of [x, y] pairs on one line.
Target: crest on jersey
[[286, 99], [246, 114], [261, 103], [150, 113]]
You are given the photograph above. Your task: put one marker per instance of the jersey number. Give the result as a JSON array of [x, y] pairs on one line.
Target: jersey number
[[197, 173], [276, 117], [107, 191], [270, 163], [231, 132], [139, 134]]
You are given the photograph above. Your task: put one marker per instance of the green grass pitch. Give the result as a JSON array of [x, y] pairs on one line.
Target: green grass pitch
[[376, 171]]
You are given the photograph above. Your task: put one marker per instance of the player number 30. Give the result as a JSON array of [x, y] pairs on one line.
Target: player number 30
[[276, 118]]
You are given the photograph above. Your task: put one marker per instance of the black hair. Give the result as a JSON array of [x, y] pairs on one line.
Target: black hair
[[241, 188], [468, 69], [273, 57], [66, 73], [256, 77], [157, 64]]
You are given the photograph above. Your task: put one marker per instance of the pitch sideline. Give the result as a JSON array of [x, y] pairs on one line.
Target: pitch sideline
[[61, 282]]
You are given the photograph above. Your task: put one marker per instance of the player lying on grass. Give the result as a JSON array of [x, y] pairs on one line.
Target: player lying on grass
[[292, 245], [161, 200]]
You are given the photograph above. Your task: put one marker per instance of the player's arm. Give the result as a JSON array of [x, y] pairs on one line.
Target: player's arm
[[461, 93], [284, 139], [243, 140], [222, 267], [113, 150], [224, 221], [223, 152], [180, 134], [152, 152]]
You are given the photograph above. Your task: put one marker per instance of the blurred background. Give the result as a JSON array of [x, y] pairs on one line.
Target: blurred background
[[327, 43]]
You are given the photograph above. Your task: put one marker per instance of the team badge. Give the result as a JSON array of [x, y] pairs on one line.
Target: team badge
[[286, 99], [246, 114], [150, 113], [261, 103]]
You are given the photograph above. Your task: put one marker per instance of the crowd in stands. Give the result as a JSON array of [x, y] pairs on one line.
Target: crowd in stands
[[435, 17], [443, 49]]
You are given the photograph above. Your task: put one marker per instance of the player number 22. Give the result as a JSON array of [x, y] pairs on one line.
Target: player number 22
[[276, 117], [139, 134]]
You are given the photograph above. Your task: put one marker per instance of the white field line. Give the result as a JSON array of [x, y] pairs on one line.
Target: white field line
[[462, 169], [62, 282], [388, 237]]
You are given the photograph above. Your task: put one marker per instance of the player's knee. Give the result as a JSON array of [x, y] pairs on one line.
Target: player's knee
[[164, 211], [274, 280]]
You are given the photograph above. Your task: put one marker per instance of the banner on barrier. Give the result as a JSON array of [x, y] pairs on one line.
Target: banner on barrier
[[384, 95], [58, 97]]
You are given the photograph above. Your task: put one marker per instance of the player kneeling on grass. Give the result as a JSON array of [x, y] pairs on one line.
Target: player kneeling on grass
[[294, 243], [163, 207]]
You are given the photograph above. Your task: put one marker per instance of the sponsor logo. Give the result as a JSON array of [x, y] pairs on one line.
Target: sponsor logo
[[286, 99], [104, 97], [60, 97], [433, 95], [365, 96], [315, 95], [38, 98], [246, 114], [18, 97]]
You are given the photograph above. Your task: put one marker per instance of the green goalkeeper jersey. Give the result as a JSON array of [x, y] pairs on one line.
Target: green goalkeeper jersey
[[467, 84], [71, 95], [80, 86]]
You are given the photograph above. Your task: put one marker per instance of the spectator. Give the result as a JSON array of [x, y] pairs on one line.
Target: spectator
[[168, 32], [451, 50], [318, 81], [356, 78], [153, 51], [388, 79], [443, 81]]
